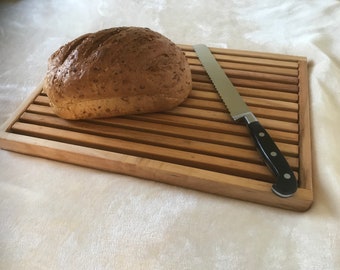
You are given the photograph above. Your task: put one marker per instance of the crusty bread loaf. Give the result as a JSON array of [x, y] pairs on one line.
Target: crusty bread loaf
[[117, 71]]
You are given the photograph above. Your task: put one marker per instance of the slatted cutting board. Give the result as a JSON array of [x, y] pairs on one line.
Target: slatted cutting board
[[196, 145]]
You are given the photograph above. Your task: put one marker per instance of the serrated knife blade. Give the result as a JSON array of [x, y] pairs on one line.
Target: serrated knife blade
[[286, 183]]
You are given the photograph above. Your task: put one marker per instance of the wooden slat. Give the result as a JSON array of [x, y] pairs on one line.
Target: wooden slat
[[305, 153]]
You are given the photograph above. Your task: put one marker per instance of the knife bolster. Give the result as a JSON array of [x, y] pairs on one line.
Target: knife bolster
[[249, 117]]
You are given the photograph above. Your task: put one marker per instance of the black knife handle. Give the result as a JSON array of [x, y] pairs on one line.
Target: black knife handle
[[286, 183]]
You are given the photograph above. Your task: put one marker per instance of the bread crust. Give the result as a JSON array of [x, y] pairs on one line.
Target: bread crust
[[117, 71]]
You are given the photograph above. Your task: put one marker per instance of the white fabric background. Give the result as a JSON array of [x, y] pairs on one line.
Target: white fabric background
[[60, 216]]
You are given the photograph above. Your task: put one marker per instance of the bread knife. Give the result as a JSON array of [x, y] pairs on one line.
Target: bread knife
[[286, 183]]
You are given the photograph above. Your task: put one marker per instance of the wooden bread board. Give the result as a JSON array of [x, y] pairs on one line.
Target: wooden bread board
[[196, 145]]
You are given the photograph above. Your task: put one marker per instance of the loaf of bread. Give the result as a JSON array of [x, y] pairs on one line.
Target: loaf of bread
[[117, 71]]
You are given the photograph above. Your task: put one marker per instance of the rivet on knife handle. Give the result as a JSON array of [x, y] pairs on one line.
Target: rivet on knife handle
[[286, 183]]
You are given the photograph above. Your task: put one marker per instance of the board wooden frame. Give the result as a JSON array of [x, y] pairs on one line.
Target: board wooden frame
[[196, 145]]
